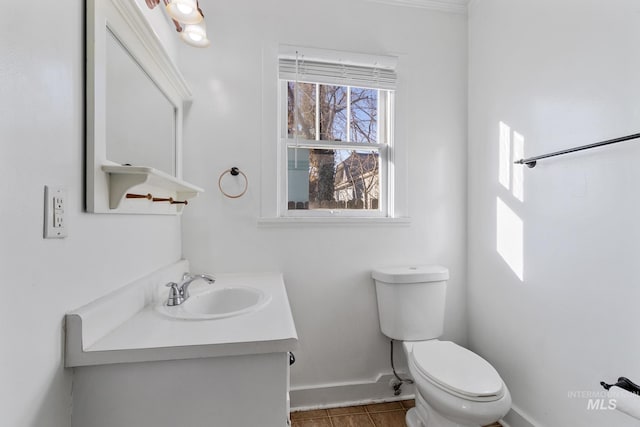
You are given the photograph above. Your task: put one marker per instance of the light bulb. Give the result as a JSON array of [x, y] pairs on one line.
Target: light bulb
[[195, 35], [184, 11], [184, 8]]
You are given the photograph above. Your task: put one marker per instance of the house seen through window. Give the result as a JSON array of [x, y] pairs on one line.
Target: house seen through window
[[336, 133]]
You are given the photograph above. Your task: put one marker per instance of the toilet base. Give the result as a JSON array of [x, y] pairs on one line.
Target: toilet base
[[412, 419], [424, 415]]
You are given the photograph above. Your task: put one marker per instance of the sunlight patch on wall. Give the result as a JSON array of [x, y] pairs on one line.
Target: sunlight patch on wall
[[509, 237], [509, 226], [518, 170]]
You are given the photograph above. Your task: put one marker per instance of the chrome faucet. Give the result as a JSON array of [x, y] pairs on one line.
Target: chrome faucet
[[179, 292]]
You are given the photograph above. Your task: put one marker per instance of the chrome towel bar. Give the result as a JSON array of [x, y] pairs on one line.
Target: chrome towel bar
[[532, 161]]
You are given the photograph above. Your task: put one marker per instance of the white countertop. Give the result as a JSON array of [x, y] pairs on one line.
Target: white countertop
[[150, 336]]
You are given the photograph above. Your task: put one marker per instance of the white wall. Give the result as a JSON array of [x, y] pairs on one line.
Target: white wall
[[41, 123], [561, 74], [327, 268]]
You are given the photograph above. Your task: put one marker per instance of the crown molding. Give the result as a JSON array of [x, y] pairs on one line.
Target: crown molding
[[451, 6]]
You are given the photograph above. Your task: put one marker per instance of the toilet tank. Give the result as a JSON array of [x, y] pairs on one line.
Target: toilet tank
[[411, 301]]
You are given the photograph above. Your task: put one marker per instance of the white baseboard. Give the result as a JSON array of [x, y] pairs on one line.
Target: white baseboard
[[516, 418], [348, 394]]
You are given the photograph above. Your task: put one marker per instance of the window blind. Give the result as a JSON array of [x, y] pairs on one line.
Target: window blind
[[337, 74]]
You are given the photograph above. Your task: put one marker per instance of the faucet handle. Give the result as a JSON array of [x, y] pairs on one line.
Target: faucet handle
[[175, 297]]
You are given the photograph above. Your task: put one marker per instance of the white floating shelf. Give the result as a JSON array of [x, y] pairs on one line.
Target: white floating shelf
[[123, 179]]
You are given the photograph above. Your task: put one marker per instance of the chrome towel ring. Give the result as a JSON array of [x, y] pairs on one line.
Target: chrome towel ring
[[234, 171]]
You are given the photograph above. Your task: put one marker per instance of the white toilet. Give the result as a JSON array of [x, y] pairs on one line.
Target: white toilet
[[454, 386]]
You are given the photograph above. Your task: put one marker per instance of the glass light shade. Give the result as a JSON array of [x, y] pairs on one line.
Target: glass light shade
[[184, 11], [195, 35]]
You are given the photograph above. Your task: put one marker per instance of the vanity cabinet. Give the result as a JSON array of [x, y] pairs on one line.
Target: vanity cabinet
[[231, 391]]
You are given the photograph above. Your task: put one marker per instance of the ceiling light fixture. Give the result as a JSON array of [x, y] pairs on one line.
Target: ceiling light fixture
[[188, 19], [195, 35]]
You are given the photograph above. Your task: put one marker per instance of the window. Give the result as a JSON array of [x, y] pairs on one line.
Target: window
[[336, 137]]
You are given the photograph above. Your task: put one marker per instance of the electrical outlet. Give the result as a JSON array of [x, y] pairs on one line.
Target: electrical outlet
[[55, 225]]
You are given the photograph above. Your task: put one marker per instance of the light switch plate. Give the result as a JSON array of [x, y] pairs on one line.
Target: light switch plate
[[55, 204]]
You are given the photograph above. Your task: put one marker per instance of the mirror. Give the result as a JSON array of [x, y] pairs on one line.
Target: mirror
[[135, 97], [140, 120]]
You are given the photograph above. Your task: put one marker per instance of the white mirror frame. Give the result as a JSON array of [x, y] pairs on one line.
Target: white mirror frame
[[125, 19]]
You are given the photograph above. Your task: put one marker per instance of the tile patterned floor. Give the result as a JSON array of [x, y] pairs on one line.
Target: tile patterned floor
[[390, 414]]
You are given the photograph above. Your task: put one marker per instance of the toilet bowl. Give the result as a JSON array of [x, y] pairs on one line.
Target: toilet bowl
[[454, 386]]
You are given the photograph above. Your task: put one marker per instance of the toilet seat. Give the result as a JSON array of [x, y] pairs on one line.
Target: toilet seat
[[457, 370]]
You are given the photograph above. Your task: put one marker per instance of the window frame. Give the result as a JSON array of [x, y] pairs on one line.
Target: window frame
[[385, 152]]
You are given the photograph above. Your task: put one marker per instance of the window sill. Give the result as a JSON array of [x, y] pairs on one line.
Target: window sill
[[324, 221]]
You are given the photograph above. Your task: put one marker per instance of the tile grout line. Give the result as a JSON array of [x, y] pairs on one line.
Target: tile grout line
[[370, 419]]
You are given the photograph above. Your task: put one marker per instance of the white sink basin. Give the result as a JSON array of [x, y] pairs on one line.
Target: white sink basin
[[218, 303]]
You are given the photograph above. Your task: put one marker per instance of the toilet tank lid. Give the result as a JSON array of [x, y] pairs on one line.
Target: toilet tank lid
[[411, 274]]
